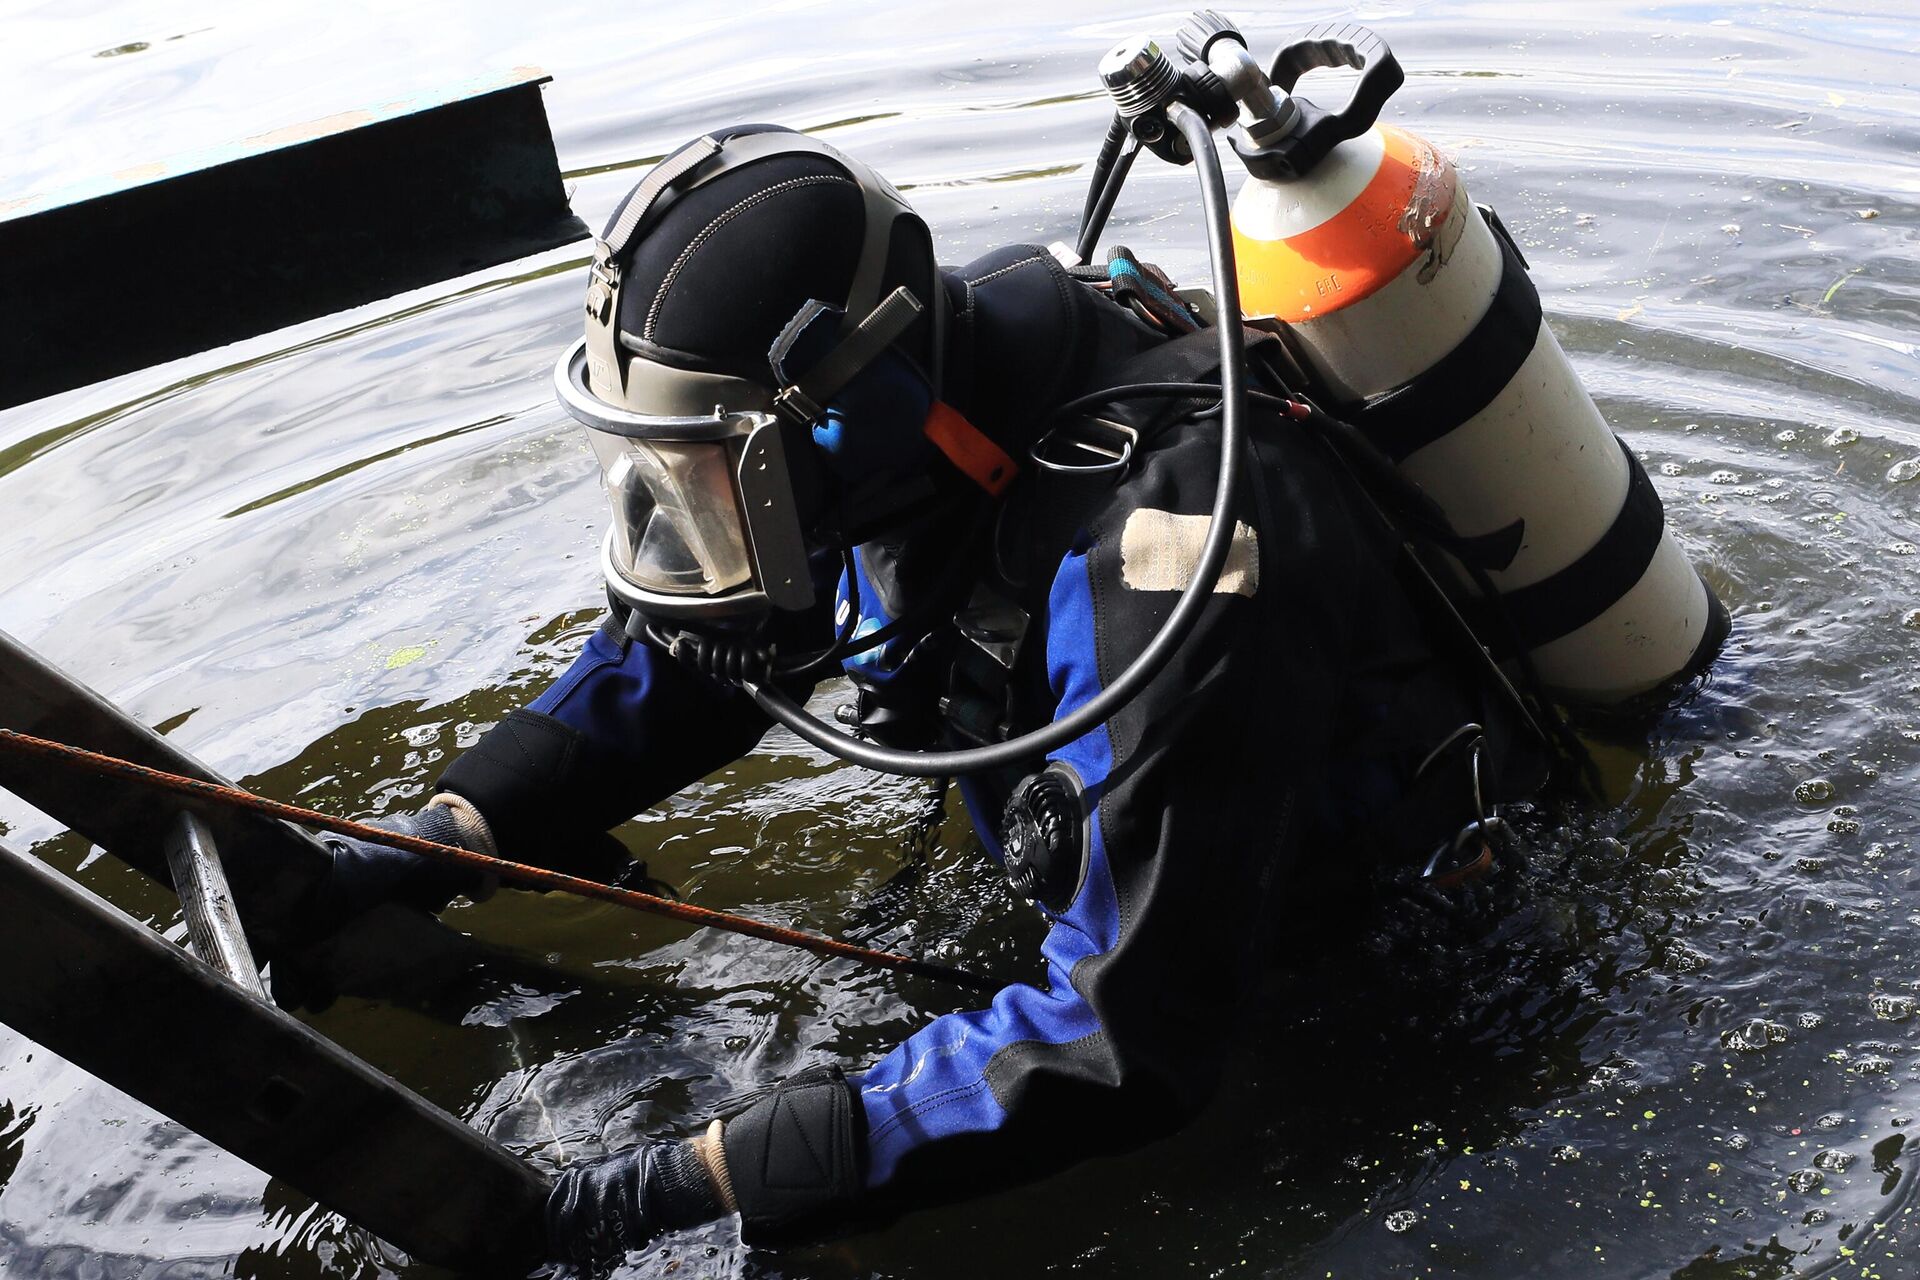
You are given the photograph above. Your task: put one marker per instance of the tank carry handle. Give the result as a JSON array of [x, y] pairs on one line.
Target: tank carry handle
[[1313, 131]]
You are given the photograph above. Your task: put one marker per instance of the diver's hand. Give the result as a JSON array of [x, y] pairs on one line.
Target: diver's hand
[[365, 874], [341, 940], [597, 1212]]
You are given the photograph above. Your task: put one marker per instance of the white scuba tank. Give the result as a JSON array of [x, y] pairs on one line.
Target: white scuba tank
[[1419, 317]]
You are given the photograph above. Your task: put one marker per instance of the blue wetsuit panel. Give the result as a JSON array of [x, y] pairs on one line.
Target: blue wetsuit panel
[[937, 1084], [664, 724]]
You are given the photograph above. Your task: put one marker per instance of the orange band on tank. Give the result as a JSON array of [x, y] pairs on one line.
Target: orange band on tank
[[1356, 251]]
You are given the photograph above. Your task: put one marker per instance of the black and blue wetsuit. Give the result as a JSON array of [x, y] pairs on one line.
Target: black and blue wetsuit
[[1296, 714]]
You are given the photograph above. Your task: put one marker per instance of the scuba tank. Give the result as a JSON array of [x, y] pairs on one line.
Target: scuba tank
[[1413, 310], [1415, 317]]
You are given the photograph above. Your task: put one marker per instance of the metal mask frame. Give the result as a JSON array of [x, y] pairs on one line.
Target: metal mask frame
[[763, 489]]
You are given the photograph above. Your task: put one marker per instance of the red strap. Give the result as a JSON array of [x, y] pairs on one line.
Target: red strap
[[968, 448]]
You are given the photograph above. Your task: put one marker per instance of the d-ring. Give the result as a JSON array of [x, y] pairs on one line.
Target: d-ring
[[1116, 448]]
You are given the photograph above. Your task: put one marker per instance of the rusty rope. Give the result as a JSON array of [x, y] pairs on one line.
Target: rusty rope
[[237, 799]]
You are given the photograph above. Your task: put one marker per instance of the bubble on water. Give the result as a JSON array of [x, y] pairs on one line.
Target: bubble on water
[[1672, 469], [1814, 791], [1566, 1153], [1815, 1217], [1615, 1077], [1682, 958], [1806, 1180], [1786, 437], [1890, 1008], [1901, 548], [1831, 1120], [1753, 1036], [1903, 471], [1723, 476], [1911, 620], [1873, 1065], [1738, 1141], [1844, 825], [1833, 1161], [1843, 436], [1809, 1020], [1402, 1220]]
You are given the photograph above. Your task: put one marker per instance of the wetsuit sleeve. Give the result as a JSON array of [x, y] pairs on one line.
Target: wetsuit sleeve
[[1121, 1040], [623, 728]]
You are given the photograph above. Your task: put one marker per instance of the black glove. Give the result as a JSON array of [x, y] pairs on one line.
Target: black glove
[[597, 1212], [336, 946], [366, 874]]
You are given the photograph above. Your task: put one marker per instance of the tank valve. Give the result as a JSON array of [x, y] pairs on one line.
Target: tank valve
[[1140, 77], [1211, 41]]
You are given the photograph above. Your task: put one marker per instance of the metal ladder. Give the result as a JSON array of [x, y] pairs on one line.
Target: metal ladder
[[191, 1031]]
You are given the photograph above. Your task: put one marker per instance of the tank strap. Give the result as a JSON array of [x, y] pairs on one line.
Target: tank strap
[[1466, 379], [1563, 602]]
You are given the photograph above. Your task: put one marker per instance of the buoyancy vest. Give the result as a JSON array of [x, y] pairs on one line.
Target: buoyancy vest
[[1370, 692]]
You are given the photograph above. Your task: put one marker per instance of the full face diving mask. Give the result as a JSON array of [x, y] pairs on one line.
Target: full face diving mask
[[707, 459]]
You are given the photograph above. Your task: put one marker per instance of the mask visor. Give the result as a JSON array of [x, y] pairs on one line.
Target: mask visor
[[677, 526]]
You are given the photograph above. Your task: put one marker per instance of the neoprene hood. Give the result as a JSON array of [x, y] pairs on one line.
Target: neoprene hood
[[761, 310]]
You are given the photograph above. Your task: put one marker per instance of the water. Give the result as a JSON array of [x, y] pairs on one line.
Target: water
[[326, 558]]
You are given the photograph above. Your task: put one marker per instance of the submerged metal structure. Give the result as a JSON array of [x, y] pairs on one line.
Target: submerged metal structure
[[192, 1033], [167, 259]]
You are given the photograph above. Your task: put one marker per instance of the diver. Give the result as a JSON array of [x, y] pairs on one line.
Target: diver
[[980, 494]]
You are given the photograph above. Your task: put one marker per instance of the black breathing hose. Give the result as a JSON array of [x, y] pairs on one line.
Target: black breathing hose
[[1186, 612], [1101, 207], [1117, 134]]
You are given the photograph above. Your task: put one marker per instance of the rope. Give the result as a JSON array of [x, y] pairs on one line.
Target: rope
[[234, 798]]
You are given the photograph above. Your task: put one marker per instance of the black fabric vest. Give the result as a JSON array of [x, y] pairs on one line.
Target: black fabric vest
[[1365, 678]]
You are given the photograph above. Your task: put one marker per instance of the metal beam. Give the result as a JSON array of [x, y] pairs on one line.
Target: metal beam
[[292, 223], [114, 998], [391, 952], [274, 868]]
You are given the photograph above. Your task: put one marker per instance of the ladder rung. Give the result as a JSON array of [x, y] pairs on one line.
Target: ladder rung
[[213, 924]]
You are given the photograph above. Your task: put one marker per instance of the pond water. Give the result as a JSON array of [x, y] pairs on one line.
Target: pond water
[[325, 559]]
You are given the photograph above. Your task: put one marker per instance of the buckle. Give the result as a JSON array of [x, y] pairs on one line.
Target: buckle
[[1469, 854], [798, 406], [603, 282], [1466, 857]]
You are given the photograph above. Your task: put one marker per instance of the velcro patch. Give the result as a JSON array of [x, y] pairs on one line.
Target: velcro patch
[[1159, 551]]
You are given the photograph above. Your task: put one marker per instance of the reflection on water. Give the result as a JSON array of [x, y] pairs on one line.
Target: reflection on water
[[1680, 1042]]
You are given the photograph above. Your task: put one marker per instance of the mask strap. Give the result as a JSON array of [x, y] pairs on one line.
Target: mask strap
[[604, 363], [972, 452], [651, 188], [804, 400]]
